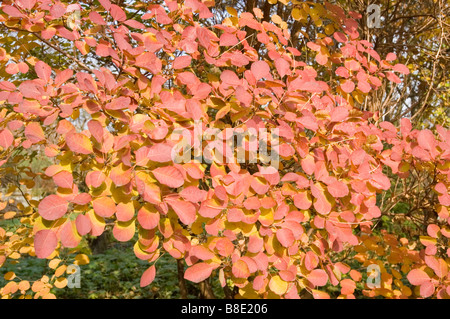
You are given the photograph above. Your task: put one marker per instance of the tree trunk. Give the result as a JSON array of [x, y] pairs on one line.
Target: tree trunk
[[206, 290], [181, 281], [99, 244]]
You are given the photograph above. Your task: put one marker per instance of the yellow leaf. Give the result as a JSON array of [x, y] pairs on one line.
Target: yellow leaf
[[296, 14], [24, 285], [232, 11], [9, 275], [54, 263], [278, 285], [37, 286], [81, 259], [276, 19], [9, 215], [60, 282], [61, 270]]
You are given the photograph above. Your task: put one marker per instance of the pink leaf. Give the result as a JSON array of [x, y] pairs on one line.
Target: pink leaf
[[52, 207], [285, 237], [69, 236], [6, 138], [391, 56], [83, 224], [193, 194], [34, 132], [417, 277], [117, 13], [198, 272], [79, 143], [95, 178], [339, 114], [348, 86], [338, 189], [182, 62], [283, 67], [186, 211], [104, 206], [63, 179], [401, 68], [148, 219], [43, 71], [427, 289], [148, 276], [169, 175], [318, 277], [260, 69], [45, 242]]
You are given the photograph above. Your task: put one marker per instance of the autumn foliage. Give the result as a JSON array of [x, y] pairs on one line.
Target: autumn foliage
[[141, 73]]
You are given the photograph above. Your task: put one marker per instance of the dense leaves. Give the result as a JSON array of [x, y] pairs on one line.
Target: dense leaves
[[122, 140]]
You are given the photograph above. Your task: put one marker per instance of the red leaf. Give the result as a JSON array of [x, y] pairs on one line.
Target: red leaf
[[69, 235], [96, 18], [340, 37], [125, 211], [106, 4], [311, 260], [26, 4], [186, 211], [169, 175], [318, 277], [348, 86], [182, 62], [427, 289], [63, 179], [338, 189], [229, 77], [193, 194], [198, 272], [339, 114], [124, 231], [283, 67], [148, 276], [161, 153], [117, 13], [426, 140], [6, 138], [52, 207], [104, 206], [45, 242], [79, 143], [201, 252], [13, 12], [95, 178], [433, 230], [380, 181], [228, 39], [285, 237], [240, 269], [147, 218], [31, 89], [63, 76], [417, 277], [401, 68], [120, 103], [43, 71], [391, 56], [341, 71], [83, 224], [260, 69], [34, 132]]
